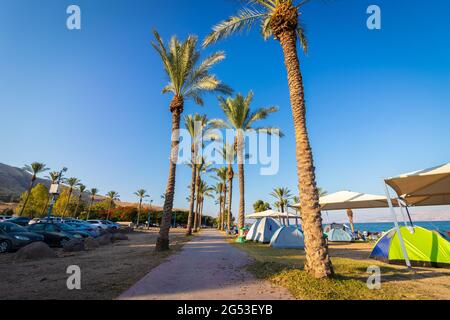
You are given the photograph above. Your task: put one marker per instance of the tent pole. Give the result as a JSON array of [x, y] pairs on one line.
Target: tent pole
[[409, 216], [402, 212], [400, 237]]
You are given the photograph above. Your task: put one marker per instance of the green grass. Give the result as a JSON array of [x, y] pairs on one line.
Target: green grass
[[286, 268]]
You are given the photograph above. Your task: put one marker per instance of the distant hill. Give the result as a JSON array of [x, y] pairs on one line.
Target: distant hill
[[14, 181]]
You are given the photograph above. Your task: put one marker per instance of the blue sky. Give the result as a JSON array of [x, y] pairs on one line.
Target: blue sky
[[378, 101]]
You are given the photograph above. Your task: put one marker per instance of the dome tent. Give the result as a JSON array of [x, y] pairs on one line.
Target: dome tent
[[338, 233], [288, 237], [266, 229], [425, 248], [251, 234]]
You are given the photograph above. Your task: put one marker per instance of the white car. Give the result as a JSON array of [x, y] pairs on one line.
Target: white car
[[99, 224]]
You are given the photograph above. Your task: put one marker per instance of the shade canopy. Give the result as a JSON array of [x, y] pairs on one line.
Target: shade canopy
[[343, 200], [270, 214], [426, 187]]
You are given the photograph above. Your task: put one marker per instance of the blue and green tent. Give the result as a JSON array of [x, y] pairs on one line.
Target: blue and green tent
[[425, 248]]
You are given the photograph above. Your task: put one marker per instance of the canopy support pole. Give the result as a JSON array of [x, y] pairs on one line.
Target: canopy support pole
[[402, 212], [394, 216]]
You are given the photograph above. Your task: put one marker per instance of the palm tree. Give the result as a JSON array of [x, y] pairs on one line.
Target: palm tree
[[141, 194], [34, 169], [53, 177], [280, 19], [72, 183], [93, 192], [322, 192], [283, 195], [204, 190], [198, 128], [112, 196], [81, 188], [188, 79], [218, 189], [222, 177], [240, 117], [228, 153], [201, 167]]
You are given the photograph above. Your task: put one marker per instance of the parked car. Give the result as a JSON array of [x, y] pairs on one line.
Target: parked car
[[13, 237], [4, 218], [104, 224], [93, 231], [56, 234], [21, 221]]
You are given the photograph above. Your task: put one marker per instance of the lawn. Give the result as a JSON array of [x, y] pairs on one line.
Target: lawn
[[106, 272], [286, 268]]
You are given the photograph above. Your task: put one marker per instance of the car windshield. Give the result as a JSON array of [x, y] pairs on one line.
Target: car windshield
[[11, 227]]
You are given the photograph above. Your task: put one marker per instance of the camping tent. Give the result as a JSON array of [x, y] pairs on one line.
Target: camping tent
[[425, 187], [424, 248], [338, 233], [251, 234], [265, 230], [288, 237]]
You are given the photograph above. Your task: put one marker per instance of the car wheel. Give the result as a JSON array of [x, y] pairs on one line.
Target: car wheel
[[5, 246], [63, 242]]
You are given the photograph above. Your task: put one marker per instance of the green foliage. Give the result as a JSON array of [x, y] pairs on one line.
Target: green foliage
[[260, 206], [36, 202], [61, 203]]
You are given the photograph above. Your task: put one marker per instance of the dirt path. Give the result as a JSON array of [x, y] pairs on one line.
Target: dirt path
[[208, 268]]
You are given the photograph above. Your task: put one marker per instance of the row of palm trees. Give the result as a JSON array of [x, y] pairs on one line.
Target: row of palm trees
[[73, 184], [189, 78]]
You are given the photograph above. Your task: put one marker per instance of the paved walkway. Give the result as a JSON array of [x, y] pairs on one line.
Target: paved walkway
[[207, 268]]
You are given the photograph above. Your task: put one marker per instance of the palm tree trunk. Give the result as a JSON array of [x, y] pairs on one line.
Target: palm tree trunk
[[350, 219], [318, 262], [224, 210], [27, 197], [230, 195], [139, 213], [76, 208], [67, 203], [219, 222], [109, 210], [197, 206], [90, 206], [162, 243], [240, 150], [201, 214], [192, 199]]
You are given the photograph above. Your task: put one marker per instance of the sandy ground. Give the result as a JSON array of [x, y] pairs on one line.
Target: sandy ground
[[105, 272], [207, 268]]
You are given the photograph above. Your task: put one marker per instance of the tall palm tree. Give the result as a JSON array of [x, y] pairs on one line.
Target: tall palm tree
[[201, 167], [53, 177], [34, 169], [218, 189], [188, 79], [204, 191], [141, 194], [283, 195], [72, 183], [81, 188], [93, 192], [222, 177], [198, 128], [241, 118], [112, 196], [228, 152], [280, 19]]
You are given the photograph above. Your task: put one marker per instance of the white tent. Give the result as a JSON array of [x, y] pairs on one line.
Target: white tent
[[270, 214], [425, 187], [288, 237], [343, 200], [265, 230]]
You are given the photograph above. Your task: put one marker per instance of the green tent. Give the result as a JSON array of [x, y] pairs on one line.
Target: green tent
[[425, 248]]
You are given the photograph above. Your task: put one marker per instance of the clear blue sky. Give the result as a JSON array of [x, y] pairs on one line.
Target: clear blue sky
[[378, 101]]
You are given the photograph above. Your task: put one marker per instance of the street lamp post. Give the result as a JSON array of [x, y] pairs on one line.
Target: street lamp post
[[55, 192]]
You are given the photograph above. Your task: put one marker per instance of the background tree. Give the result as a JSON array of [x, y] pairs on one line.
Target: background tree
[[34, 169], [112, 196], [228, 152], [64, 203], [188, 79], [222, 177], [141, 194], [36, 200], [241, 118], [81, 189], [218, 189], [93, 192], [204, 191], [72, 183], [283, 195], [280, 19], [261, 206]]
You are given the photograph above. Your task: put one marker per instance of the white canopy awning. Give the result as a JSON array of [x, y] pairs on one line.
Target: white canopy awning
[[426, 187], [270, 214], [343, 200]]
